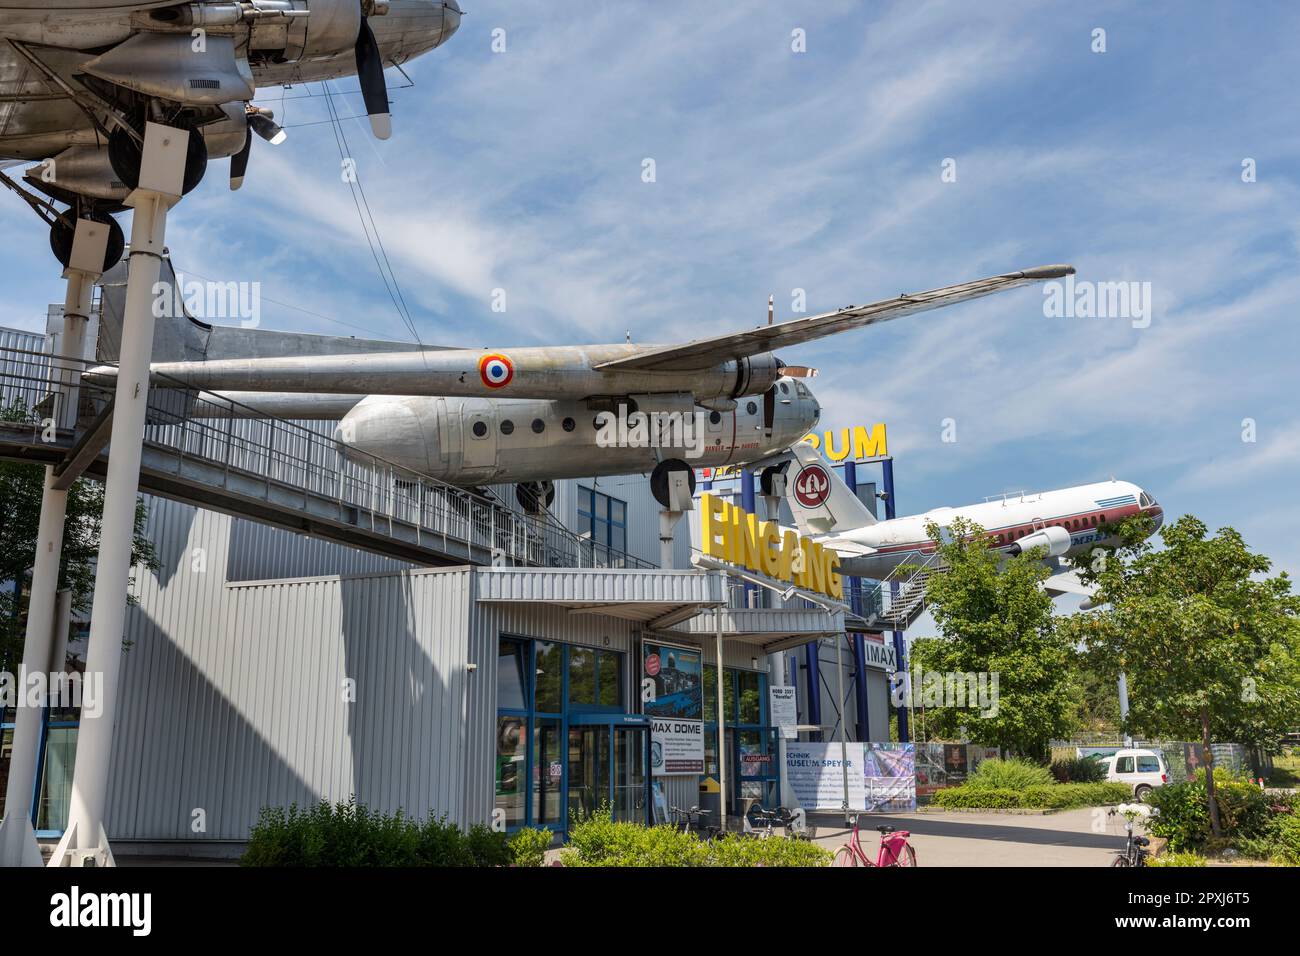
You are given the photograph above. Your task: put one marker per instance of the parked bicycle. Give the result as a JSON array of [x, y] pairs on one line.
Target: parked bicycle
[[1135, 851], [694, 820], [763, 823], [894, 848]]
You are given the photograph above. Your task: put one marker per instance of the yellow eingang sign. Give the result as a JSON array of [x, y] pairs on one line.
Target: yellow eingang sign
[[731, 534]]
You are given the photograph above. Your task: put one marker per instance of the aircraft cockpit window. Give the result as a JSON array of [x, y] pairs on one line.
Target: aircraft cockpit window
[[1145, 500]]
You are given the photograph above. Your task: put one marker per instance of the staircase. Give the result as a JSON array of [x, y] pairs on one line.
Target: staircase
[[895, 603]]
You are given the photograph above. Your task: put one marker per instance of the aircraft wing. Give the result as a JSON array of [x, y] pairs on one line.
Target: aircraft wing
[[1066, 582], [706, 353]]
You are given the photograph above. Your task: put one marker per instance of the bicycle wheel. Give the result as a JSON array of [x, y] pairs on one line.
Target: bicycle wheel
[[907, 857], [1121, 859], [845, 856]]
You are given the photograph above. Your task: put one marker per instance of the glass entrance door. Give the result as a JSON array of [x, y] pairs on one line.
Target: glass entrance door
[[609, 766]]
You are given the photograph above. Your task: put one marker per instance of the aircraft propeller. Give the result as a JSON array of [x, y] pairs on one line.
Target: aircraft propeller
[[262, 122], [370, 74]]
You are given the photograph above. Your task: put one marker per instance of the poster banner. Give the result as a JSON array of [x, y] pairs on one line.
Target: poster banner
[[677, 679], [784, 711], [815, 773], [889, 777], [676, 746]]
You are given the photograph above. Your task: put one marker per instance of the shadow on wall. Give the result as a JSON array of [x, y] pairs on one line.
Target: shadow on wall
[[287, 694]]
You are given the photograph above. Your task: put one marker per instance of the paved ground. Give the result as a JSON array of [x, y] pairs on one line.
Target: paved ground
[[1084, 837]]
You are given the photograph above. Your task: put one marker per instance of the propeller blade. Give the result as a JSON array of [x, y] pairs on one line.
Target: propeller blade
[[239, 162], [370, 73], [267, 128]]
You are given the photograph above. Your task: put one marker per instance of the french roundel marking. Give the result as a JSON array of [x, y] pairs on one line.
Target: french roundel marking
[[496, 370], [812, 486]]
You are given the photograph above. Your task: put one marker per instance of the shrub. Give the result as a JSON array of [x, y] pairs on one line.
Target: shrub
[[1183, 817], [599, 841], [1078, 770], [351, 835], [1057, 796], [528, 847], [1010, 774]]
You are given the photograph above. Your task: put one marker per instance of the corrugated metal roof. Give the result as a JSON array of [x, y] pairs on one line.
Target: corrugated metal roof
[[660, 597], [772, 629]]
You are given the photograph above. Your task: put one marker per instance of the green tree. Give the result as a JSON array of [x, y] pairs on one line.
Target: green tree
[[21, 489], [995, 618], [1210, 647]]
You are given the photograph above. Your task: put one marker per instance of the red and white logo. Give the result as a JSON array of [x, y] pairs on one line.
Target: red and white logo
[[652, 665], [812, 486], [496, 370]]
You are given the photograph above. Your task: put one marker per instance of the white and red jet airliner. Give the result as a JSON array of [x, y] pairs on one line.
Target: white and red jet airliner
[[1066, 523]]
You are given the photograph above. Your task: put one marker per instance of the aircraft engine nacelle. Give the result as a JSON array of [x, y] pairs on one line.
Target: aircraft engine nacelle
[[80, 170], [289, 29], [755, 375], [1055, 539]]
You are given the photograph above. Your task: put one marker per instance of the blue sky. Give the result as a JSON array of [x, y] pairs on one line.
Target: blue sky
[[821, 171]]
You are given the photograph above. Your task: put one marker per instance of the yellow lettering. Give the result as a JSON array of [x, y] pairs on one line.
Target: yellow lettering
[[816, 570], [872, 445], [813, 440], [713, 528], [789, 545], [769, 548], [843, 452], [752, 543], [834, 581]]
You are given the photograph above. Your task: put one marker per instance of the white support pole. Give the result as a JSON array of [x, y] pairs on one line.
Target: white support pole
[[721, 714], [1123, 705], [18, 845], [844, 747], [84, 841]]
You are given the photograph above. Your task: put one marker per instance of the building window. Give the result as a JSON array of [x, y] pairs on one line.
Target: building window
[[605, 518], [551, 700]]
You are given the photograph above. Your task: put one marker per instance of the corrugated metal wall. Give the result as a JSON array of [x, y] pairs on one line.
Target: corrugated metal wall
[[232, 704]]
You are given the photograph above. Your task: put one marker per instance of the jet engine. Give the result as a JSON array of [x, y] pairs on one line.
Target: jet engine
[[1055, 539]]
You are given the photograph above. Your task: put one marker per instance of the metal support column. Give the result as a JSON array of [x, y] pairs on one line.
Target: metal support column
[[900, 645], [814, 683], [860, 685], [85, 842], [18, 845], [748, 503], [721, 713]]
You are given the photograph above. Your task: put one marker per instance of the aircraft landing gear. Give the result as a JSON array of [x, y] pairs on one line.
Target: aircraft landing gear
[[64, 228], [535, 497], [659, 483], [125, 155]]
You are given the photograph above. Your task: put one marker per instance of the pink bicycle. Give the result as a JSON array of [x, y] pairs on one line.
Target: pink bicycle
[[894, 849]]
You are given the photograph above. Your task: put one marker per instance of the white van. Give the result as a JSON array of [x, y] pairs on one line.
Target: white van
[[1142, 770]]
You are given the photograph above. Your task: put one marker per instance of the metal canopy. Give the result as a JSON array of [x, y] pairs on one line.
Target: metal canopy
[[766, 629], [657, 598]]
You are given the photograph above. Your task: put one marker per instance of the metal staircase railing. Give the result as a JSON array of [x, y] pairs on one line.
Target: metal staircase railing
[[283, 463], [895, 602]]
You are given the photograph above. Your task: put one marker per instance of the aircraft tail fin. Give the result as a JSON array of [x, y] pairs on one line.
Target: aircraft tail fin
[[180, 337], [818, 498]]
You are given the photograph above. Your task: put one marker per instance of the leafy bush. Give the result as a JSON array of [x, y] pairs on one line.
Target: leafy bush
[[351, 835], [528, 847], [599, 841], [1078, 770], [1055, 796], [1010, 774], [1177, 859], [1183, 817]]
